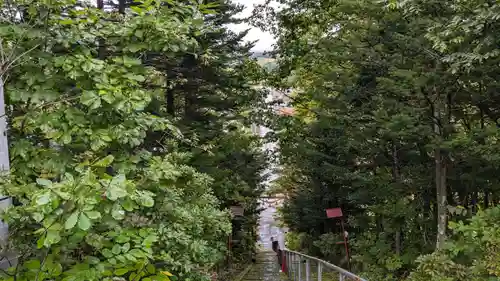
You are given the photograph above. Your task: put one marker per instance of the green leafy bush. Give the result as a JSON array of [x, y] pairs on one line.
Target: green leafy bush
[[471, 254], [297, 241], [94, 199]]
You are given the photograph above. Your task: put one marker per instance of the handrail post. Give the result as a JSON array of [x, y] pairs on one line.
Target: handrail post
[[284, 261], [300, 268], [296, 259], [290, 264], [294, 267], [320, 271], [308, 270]]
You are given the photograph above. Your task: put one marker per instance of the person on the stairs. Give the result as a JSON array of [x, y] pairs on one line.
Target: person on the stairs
[[277, 250]]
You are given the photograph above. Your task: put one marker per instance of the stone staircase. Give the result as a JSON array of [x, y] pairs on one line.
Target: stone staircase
[[266, 268]]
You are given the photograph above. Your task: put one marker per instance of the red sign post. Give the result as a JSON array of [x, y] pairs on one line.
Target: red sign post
[[337, 213]]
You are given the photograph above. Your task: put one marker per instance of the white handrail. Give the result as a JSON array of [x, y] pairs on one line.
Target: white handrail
[[295, 273]]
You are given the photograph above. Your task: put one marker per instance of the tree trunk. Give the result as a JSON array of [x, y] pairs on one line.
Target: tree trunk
[[474, 202], [396, 179], [121, 6], [190, 88], [441, 199], [440, 166], [101, 51], [170, 102]]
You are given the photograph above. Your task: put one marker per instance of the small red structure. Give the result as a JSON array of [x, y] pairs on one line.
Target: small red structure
[[334, 213], [337, 213]]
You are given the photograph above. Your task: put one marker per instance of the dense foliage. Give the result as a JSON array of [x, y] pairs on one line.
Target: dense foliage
[[471, 254], [396, 122], [128, 138]]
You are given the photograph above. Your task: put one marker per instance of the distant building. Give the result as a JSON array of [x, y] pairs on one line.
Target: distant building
[[280, 102]]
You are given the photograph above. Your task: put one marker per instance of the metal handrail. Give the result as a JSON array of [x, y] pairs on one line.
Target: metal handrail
[[292, 265]]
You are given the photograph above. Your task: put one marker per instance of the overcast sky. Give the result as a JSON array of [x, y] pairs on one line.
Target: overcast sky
[[265, 40]]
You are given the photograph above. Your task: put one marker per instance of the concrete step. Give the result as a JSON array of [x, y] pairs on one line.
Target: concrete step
[[266, 268]]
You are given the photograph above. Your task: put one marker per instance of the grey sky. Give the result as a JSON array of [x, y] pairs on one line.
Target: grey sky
[[265, 40]]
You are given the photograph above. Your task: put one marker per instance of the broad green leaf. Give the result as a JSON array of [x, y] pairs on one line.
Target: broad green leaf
[[32, 264], [72, 220], [126, 247], [66, 138], [137, 9], [93, 215], [66, 22], [56, 226], [104, 162], [174, 48], [117, 212], [93, 260], [55, 269], [37, 217], [130, 257], [167, 273], [43, 182], [146, 200], [128, 61], [43, 199], [135, 47], [121, 271], [107, 253], [139, 33], [90, 99], [138, 78], [116, 249], [115, 192], [137, 253], [84, 222], [121, 259], [40, 242], [122, 238], [52, 237], [149, 240], [161, 277], [151, 269], [128, 205]]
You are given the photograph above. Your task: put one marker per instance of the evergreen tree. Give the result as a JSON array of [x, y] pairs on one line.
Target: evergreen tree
[[395, 123]]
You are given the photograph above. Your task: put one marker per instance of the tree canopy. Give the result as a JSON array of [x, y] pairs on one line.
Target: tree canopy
[[129, 138], [396, 123], [129, 134]]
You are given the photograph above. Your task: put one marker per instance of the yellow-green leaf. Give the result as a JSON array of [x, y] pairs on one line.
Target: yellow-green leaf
[[104, 162], [71, 221]]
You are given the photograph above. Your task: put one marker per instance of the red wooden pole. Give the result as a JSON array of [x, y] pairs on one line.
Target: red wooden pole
[[345, 244], [284, 267]]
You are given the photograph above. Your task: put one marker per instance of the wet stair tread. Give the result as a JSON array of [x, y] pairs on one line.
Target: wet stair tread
[[265, 268]]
